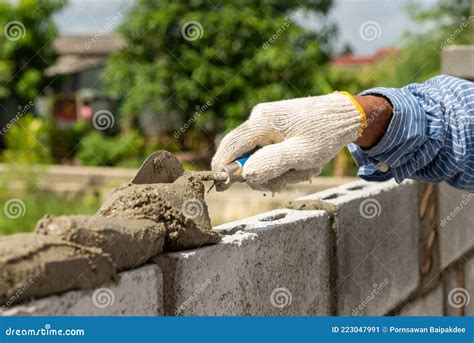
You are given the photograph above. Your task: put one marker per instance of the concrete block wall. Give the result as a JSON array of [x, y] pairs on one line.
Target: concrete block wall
[[276, 263], [138, 292], [376, 261], [358, 249]]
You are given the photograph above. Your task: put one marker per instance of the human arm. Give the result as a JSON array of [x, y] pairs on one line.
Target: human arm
[[421, 131], [430, 136]]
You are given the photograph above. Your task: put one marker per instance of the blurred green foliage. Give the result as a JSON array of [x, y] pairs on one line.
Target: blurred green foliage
[[24, 47], [438, 26], [245, 52], [20, 184], [97, 149], [28, 142]]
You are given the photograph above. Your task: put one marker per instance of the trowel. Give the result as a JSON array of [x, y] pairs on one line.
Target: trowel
[[163, 167], [159, 167]]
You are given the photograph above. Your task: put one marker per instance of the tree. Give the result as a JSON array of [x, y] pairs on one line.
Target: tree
[[446, 23], [227, 57], [28, 30]]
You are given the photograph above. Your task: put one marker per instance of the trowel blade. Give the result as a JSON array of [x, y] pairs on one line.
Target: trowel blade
[[159, 167]]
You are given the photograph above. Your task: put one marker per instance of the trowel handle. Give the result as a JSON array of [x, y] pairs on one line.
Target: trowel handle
[[242, 160], [231, 173], [235, 169]]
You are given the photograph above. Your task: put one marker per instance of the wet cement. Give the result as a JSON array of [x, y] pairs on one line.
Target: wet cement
[[137, 222], [310, 205], [128, 242], [179, 205], [37, 265]]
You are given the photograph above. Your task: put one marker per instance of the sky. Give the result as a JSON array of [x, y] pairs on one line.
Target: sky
[[366, 24]]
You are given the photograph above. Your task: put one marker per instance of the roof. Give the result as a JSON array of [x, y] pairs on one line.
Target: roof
[[88, 44], [80, 53], [70, 64], [350, 60]]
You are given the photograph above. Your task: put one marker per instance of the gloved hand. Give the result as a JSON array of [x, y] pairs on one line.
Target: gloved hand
[[296, 138]]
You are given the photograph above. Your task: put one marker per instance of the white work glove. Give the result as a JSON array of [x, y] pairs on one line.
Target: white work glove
[[296, 138]]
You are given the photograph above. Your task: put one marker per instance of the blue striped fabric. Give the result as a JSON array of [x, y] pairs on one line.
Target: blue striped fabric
[[430, 136]]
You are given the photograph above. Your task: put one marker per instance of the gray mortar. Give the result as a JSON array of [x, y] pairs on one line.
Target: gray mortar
[[310, 205], [129, 242], [179, 205], [135, 223], [37, 265]]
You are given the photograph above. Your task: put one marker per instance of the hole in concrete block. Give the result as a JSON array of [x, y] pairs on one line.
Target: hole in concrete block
[[355, 188], [331, 196], [273, 218], [232, 230]]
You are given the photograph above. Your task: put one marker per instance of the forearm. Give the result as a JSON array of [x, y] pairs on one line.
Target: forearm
[[378, 113], [423, 131]]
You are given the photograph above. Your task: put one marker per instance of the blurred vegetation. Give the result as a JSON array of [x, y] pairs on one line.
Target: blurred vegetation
[[20, 183], [97, 149], [28, 142], [30, 24], [420, 56], [232, 63]]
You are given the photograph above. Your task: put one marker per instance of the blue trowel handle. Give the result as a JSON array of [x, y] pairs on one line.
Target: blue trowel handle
[[242, 160]]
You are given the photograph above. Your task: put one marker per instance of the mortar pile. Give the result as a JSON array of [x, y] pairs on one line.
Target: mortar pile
[[134, 224]]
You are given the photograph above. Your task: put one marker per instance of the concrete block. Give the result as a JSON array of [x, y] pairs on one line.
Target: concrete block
[[456, 228], [276, 263], [376, 244], [137, 293], [458, 60], [428, 305]]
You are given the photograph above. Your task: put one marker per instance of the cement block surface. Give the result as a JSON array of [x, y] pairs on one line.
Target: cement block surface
[[458, 60], [376, 245], [276, 263], [137, 293], [428, 305], [456, 228]]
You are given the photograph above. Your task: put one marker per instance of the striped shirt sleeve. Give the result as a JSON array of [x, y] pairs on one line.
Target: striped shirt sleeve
[[430, 136]]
